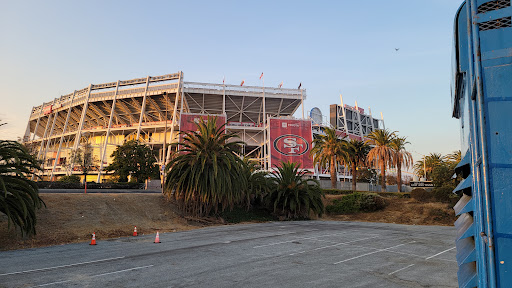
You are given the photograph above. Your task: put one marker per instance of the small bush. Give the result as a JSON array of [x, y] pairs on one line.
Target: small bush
[[421, 194], [439, 214], [442, 194], [70, 179], [357, 202]]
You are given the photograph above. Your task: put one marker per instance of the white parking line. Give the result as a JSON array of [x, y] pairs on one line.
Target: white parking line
[[401, 269], [98, 275], [380, 250], [62, 266], [337, 244], [302, 238], [439, 253]]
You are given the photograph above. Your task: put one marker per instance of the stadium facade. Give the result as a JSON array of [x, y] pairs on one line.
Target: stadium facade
[[151, 109]]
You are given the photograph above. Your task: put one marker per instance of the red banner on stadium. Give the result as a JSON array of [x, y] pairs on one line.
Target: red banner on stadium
[[189, 120], [290, 141]]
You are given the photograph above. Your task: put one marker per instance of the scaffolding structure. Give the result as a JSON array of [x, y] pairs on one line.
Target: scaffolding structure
[[148, 110]]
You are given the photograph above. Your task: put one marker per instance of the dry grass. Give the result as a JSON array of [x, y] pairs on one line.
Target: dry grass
[[401, 211], [72, 218]]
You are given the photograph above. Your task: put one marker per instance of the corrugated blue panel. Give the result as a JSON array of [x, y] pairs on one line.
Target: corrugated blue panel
[[463, 166], [464, 226], [464, 205], [466, 251], [467, 275], [464, 185]]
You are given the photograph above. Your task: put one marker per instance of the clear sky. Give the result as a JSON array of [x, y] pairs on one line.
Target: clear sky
[[50, 48]]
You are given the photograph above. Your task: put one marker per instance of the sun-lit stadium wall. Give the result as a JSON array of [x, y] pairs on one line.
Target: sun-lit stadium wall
[[148, 110]]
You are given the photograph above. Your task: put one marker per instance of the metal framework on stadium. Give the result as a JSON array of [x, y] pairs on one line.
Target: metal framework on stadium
[[148, 109]]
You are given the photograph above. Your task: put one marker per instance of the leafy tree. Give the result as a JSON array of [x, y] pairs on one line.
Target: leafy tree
[[19, 196], [206, 174], [84, 160], [327, 150], [355, 153], [401, 158], [382, 154], [292, 194], [134, 159]]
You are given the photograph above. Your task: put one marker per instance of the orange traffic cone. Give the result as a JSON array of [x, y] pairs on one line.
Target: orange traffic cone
[[157, 238], [93, 240], [135, 231]]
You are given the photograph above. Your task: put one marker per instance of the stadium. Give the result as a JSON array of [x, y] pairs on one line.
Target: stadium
[[154, 109]]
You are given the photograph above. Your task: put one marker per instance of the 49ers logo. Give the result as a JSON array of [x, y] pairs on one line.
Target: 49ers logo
[[291, 145]]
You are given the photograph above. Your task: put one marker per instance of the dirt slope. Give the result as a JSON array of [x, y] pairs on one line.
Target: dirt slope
[[71, 218]]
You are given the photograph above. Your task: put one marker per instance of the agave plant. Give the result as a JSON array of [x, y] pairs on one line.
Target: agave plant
[[19, 197], [292, 194], [206, 173]]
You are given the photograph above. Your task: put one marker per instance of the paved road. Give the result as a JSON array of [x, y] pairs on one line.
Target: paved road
[[276, 254]]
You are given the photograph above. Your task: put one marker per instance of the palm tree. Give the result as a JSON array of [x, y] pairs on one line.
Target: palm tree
[[292, 194], [19, 196], [382, 153], [256, 179], [206, 173], [355, 153], [453, 158], [401, 158], [428, 163], [326, 151]]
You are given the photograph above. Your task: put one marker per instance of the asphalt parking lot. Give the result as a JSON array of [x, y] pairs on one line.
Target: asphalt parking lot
[[276, 254]]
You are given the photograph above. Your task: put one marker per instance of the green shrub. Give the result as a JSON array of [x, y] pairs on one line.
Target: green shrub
[[357, 202], [442, 194], [70, 179], [439, 214], [421, 194]]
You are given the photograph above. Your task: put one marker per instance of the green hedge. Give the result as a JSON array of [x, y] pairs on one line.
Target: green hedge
[[357, 202]]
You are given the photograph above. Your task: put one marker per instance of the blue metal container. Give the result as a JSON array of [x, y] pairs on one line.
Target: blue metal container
[[482, 100]]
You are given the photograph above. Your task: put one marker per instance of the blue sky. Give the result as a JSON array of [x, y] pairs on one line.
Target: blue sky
[[50, 48]]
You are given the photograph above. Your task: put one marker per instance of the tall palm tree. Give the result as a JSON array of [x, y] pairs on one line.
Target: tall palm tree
[[292, 194], [19, 196], [382, 153], [355, 153], [453, 158], [401, 158], [326, 151], [206, 173], [428, 163]]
